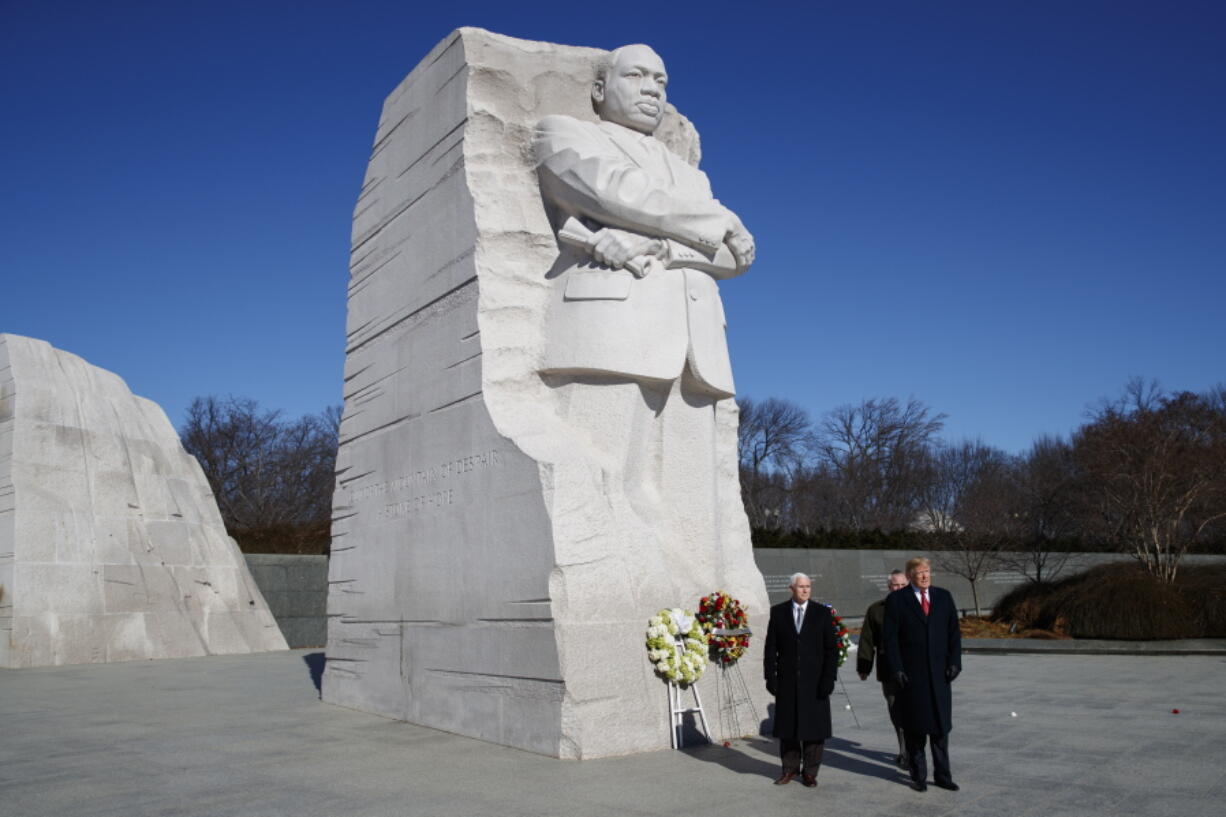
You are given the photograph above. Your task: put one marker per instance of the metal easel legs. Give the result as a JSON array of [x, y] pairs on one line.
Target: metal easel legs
[[678, 711]]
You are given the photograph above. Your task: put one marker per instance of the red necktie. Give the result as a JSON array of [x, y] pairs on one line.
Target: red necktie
[[924, 600]]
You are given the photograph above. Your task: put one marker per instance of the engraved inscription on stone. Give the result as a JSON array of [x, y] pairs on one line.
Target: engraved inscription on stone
[[417, 504], [443, 483]]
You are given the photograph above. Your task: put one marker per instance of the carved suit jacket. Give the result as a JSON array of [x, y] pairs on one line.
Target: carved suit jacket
[[606, 320]]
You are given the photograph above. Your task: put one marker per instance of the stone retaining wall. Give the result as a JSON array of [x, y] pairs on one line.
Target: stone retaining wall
[[851, 580], [296, 589]]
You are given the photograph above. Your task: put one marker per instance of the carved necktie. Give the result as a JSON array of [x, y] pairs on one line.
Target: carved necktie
[[924, 601]]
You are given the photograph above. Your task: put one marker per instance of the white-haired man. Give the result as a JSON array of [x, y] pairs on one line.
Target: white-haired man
[[801, 666]]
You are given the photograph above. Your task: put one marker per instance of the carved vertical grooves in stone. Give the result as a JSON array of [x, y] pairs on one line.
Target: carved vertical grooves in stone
[[429, 469], [476, 507]]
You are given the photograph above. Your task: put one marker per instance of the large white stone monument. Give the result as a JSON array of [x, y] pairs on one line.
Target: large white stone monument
[[538, 449], [111, 544]]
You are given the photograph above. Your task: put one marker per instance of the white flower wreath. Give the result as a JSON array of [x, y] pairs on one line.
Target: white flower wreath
[[677, 645]]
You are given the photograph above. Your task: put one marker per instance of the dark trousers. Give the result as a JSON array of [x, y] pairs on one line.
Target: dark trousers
[[890, 690], [919, 764], [790, 750]]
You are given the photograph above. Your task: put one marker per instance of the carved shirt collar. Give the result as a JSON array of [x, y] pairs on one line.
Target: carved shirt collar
[[622, 132], [643, 149]]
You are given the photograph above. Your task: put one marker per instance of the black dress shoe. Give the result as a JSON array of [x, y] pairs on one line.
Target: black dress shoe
[[919, 785], [948, 784], [784, 778], [809, 780]]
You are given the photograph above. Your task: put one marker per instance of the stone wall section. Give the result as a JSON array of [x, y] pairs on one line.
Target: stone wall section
[[111, 544], [438, 600], [852, 579], [296, 589], [481, 580]]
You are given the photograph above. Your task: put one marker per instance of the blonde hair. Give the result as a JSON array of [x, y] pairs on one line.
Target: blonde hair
[[918, 561]]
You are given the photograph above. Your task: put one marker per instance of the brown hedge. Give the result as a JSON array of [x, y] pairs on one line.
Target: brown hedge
[[1122, 601]]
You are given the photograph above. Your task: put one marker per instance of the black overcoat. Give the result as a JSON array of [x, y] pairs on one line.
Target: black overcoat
[[801, 670], [923, 647]]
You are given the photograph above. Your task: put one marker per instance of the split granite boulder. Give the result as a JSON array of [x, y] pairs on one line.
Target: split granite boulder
[[111, 544]]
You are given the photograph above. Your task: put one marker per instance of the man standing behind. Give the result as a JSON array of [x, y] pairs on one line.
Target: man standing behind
[[801, 666], [923, 645], [872, 647]]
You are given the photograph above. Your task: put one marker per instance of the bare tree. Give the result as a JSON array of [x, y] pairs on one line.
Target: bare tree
[[878, 455], [771, 446], [974, 503], [1138, 394], [817, 498], [1154, 473], [266, 472], [1047, 481]]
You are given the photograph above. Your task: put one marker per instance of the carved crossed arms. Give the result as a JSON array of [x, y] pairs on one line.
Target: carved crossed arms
[[642, 216]]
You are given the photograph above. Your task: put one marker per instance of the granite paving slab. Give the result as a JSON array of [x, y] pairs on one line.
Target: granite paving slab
[[1053, 734]]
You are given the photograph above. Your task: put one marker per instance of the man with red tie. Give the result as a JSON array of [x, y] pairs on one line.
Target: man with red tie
[[924, 647]]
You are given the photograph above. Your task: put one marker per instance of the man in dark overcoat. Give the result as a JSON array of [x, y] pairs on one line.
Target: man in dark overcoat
[[923, 644], [801, 667], [872, 650]]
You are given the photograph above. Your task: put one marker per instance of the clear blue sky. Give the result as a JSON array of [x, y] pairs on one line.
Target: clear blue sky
[[1004, 209]]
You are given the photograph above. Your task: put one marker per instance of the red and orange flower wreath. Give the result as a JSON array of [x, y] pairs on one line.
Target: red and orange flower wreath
[[719, 611], [840, 634]]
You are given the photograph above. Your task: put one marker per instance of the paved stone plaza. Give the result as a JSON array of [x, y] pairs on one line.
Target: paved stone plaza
[[247, 735]]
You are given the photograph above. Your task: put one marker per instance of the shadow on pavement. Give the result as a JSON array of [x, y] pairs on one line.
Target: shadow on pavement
[[850, 756], [315, 662], [758, 756], [747, 756]]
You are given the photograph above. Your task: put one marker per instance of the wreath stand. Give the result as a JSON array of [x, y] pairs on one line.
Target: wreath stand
[[734, 694], [677, 710]]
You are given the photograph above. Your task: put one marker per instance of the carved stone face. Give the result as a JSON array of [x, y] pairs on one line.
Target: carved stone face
[[633, 93]]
